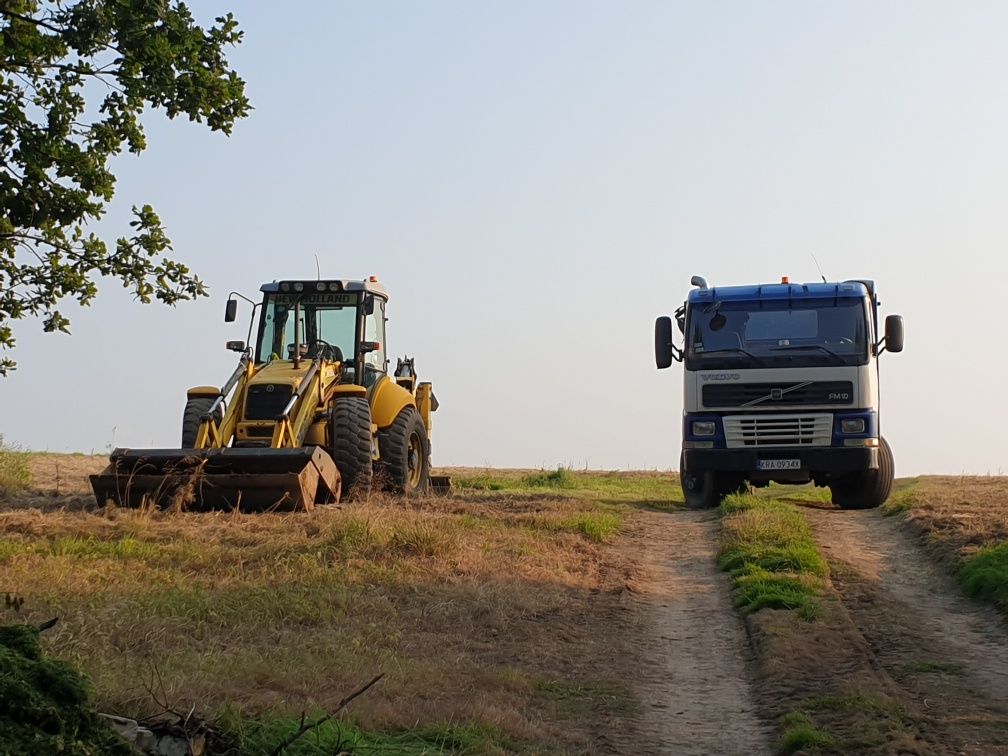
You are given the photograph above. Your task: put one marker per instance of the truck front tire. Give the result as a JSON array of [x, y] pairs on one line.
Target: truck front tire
[[869, 489], [700, 490]]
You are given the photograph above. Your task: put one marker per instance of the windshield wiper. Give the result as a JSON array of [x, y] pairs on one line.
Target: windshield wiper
[[820, 347], [730, 350]]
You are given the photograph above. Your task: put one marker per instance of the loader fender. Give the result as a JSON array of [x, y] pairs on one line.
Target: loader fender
[[198, 391], [349, 389], [387, 400]]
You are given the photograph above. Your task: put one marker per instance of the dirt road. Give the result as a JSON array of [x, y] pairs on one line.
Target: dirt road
[[694, 689], [941, 656]]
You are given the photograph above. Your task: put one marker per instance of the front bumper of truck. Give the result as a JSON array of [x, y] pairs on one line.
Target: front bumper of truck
[[828, 460]]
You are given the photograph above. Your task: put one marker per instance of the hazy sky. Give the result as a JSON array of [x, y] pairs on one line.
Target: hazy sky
[[535, 182]]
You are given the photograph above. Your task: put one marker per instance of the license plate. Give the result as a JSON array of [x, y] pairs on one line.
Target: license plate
[[778, 464]]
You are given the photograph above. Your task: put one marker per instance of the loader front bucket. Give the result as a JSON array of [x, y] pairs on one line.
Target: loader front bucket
[[247, 479]]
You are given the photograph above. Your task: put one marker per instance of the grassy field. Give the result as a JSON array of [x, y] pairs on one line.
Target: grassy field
[[488, 612]]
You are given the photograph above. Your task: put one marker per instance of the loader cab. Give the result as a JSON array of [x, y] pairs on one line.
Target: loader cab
[[338, 321]]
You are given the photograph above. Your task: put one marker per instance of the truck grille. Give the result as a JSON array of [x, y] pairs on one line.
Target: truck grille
[[794, 393], [266, 401], [778, 430]]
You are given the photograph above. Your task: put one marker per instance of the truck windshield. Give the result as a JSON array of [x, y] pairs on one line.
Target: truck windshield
[[777, 334], [327, 320]]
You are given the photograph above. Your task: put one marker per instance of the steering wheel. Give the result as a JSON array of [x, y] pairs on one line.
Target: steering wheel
[[326, 351]]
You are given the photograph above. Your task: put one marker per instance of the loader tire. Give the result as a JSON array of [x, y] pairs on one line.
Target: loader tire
[[350, 435], [192, 416], [869, 489], [404, 451]]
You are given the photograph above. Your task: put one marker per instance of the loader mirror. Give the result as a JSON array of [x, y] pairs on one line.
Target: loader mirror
[[369, 304], [369, 346], [894, 333], [236, 346], [231, 311]]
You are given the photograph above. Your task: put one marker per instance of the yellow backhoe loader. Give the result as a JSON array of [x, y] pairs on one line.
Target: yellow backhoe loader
[[309, 416]]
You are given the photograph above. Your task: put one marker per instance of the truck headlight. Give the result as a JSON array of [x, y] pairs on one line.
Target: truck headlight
[[703, 427], [853, 425]]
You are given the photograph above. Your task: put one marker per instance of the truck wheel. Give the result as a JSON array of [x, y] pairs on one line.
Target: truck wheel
[[350, 436], [192, 416], [869, 489], [701, 491], [404, 452]]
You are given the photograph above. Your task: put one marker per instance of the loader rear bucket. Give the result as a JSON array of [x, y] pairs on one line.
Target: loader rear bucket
[[440, 484], [251, 480]]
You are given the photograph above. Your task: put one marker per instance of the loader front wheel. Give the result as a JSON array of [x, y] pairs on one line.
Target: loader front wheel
[[195, 409], [350, 436], [405, 453]]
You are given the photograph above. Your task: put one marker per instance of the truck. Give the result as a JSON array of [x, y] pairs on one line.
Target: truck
[[781, 384]]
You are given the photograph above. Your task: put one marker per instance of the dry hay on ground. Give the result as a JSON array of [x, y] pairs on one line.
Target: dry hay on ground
[[958, 514]]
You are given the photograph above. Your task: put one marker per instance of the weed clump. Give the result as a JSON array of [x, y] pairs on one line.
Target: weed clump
[[559, 478], [15, 474], [43, 703]]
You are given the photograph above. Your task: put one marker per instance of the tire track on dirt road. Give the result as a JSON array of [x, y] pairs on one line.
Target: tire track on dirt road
[[946, 654], [694, 687]]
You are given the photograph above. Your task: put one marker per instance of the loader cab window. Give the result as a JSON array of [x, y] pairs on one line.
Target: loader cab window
[[327, 319]]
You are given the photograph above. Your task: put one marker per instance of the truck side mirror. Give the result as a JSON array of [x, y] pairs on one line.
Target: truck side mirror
[[235, 346], [894, 333], [663, 348], [231, 311]]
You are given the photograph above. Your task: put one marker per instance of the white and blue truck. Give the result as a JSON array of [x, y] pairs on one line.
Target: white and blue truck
[[782, 385]]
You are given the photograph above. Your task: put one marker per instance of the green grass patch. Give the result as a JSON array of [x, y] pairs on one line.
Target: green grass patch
[[261, 735], [767, 547], [927, 667], [985, 574], [15, 475], [901, 500], [800, 733], [559, 478], [595, 526], [651, 489]]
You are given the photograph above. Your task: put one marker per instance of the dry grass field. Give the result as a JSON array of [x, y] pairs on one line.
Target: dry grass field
[[491, 613], [963, 521]]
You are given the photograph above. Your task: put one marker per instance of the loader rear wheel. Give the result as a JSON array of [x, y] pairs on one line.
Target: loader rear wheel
[[192, 416], [869, 489], [350, 435], [405, 453]]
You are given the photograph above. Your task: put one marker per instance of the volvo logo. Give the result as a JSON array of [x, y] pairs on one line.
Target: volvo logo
[[705, 377], [269, 388], [776, 394]]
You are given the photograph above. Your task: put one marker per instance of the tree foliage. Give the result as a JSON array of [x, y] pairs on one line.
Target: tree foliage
[[75, 79]]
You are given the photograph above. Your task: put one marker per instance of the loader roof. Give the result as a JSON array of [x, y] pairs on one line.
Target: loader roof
[[369, 285]]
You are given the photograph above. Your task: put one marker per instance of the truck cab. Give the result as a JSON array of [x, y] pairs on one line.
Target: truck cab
[[781, 383]]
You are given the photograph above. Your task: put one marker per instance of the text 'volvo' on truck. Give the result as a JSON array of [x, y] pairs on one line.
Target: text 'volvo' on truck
[[782, 384]]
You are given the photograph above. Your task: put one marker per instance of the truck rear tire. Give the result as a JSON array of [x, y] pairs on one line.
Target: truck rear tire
[[350, 436], [869, 489], [404, 453], [192, 416], [700, 491]]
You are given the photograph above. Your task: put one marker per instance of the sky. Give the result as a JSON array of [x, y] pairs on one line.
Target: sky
[[536, 182]]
